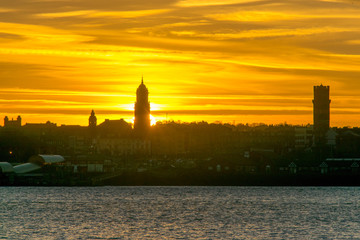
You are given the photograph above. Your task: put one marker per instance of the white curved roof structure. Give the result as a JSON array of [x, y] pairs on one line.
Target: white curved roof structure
[[6, 167], [35, 163], [42, 159], [26, 167]]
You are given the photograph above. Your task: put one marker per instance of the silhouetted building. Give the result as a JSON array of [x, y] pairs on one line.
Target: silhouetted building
[[304, 136], [92, 120], [142, 111], [114, 129], [12, 122], [110, 146], [92, 124], [73, 140], [348, 142], [321, 112]]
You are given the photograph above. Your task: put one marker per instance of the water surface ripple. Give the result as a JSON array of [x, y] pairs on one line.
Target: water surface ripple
[[179, 212]]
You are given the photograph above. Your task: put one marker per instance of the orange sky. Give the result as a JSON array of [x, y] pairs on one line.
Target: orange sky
[[214, 60]]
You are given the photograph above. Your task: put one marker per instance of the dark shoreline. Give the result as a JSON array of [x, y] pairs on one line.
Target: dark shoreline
[[189, 179], [148, 180]]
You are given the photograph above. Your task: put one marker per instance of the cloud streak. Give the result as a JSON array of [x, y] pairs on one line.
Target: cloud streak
[[102, 14]]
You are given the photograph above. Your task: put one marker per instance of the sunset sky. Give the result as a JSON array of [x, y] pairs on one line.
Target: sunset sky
[[241, 61]]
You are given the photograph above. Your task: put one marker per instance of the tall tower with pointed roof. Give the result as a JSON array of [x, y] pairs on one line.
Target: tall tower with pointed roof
[[92, 119], [142, 110], [92, 124]]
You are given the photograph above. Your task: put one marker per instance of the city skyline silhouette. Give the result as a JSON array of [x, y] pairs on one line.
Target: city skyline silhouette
[[142, 119]]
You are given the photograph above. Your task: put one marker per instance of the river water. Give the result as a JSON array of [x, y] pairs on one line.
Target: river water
[[179, 212]]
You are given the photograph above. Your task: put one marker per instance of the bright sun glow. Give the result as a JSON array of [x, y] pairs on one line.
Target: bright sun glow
[[152, 120], [127, 106]]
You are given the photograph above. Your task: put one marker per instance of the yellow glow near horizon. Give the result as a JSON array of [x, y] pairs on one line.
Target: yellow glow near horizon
[[152, 120], [232, 61]]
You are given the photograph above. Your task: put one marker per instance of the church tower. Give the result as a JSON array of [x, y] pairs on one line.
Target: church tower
[[92, 124], [92, 120], [142, 110]]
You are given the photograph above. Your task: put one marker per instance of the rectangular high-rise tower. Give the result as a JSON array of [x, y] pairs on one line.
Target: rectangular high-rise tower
[[321, 111]]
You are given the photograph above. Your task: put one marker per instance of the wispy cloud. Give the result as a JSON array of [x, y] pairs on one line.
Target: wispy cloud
[[197, 3], [101, 14], [6, 10], [262, 16], [82, 13], [265, 33], [43, 35]]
